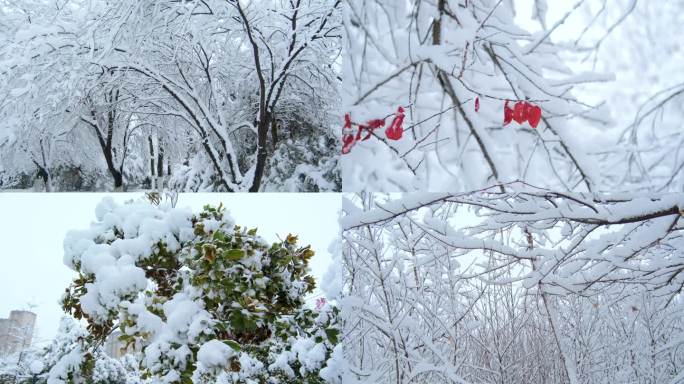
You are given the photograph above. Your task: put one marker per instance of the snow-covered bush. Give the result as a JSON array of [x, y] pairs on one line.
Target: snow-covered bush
[[202, 299]]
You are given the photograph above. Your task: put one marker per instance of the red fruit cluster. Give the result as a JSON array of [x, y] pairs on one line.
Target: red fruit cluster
[[393, 132], [522, 111]]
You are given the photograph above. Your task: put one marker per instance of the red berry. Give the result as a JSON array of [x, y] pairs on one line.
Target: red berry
[[477, 104]]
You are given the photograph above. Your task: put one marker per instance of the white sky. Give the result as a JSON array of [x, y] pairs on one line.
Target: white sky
[[33, 225]]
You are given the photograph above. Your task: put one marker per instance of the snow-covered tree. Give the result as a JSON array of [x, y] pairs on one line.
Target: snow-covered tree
[[468, 73], [202, 299], [526, 286], [635, 40], [20, 367], [211, 92], [60, 361], [455, 67]]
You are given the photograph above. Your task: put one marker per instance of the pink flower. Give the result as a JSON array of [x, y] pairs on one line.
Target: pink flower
[[320, 303]]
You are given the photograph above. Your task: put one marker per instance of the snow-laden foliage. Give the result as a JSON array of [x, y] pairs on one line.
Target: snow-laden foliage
[[65, 359], [206, 92], [202, 299], [453, 64], [527, 286]]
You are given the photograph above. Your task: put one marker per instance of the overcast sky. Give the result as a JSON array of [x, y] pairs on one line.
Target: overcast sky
[[33, 225]]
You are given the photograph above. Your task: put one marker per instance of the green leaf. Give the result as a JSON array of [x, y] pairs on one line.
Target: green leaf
[[233, 344], [332, 334], [218, 235], [234, 254]]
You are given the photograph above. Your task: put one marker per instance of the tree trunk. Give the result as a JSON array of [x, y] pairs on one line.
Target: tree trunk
[[274, 133], [152, 158], [118, 180], [116, 174], [160, 164], [160, 160], [43, 174], [262, 152]]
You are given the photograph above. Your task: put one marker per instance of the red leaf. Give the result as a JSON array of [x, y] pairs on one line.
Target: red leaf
[[520, 112], [508, 114], [528, 108], [347, 121], [358, 133], [348, 141], [368, 135], [370, 126], [377, 123], [477, 104], [534, 115], [395, 130]]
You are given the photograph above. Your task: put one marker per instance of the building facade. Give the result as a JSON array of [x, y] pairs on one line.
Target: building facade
[[114, 347], [16, 332]]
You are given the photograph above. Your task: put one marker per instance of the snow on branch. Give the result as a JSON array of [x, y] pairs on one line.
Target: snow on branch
[[458, 287]]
